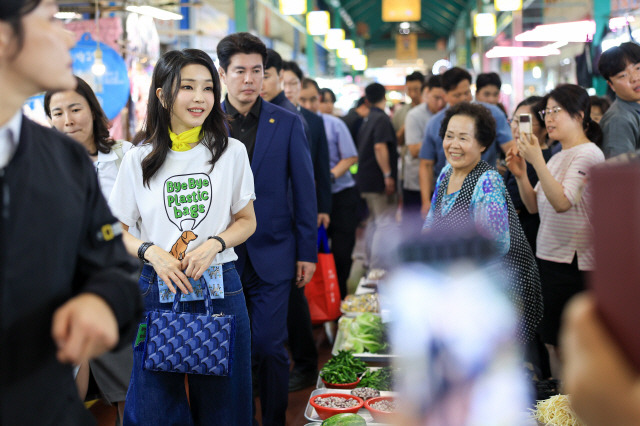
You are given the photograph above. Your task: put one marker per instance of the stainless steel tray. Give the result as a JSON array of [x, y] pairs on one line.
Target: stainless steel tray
[[310, 412]]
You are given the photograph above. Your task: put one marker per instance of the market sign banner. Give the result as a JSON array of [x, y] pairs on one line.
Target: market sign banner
[[111, 88]]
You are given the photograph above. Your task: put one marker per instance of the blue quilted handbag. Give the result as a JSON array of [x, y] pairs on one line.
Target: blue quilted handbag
[[181, 342]]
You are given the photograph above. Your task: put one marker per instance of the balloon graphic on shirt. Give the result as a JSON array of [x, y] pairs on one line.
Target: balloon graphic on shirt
[[187, 199]]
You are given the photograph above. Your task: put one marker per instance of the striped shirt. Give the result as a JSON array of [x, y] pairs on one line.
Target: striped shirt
[[561, 235]]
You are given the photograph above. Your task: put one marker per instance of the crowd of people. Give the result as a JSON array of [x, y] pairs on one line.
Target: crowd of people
[[265, 166]]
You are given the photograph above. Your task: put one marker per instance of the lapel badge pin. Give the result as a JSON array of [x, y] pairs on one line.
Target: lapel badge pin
[[271, 120]]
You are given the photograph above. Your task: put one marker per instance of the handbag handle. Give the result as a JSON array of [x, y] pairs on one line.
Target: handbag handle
[[205, 292], [323, 240]]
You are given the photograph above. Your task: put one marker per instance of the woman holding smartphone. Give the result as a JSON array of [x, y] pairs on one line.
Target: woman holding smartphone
[[190, 188], [527, 109], [561, 197]]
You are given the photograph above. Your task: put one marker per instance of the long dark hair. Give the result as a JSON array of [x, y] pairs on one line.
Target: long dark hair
[[575, 100], [101, 136], [166, 76]]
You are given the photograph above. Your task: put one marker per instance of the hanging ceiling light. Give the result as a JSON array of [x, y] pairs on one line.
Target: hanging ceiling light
[[579, 31], [293, 7], [507, 5], [484, 24], [353, 56], [155, 12], [98, 68], [67, 16], [345, 48], [318, 22], [361, 63], [333, 38]]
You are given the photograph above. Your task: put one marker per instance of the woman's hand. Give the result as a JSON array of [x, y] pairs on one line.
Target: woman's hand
[[529, 148], [169, 269], [196, 262], [516, 163]]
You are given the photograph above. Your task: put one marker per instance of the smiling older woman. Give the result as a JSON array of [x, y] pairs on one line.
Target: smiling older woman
[[471, 194]]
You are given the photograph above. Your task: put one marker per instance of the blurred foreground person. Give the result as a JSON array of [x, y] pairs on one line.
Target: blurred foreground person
[[470, 194], [446, 374], [65, 287]]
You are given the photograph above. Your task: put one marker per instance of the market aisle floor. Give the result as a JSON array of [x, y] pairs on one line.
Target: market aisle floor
[[106, 415]]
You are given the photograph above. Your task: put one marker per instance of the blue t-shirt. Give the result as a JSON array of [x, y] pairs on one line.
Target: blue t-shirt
[[432, 144], [488, 209]]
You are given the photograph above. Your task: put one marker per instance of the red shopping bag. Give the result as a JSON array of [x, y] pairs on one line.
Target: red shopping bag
[[322, 292]]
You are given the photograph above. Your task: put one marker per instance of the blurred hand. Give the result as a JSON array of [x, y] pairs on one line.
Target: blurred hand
[[424, 210], [516, 163], [84, 328], [604, 388], [324, 219], [304, 272], [389, 185]]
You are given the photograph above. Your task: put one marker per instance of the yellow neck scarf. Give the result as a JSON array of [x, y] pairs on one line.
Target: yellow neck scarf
[[181, 142]]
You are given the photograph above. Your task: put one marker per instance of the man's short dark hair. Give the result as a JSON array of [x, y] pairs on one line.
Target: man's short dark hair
[[452, 77], [273, 60], [306, 82], [239, 43], [375, 92], [415, 76], [616, 59], [361, 101], [293, 67], [330, 92], [433, 81], [488, 79]]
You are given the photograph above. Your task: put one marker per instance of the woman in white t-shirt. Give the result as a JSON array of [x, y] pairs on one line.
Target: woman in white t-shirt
[[190, 188], [563, 247], [78, 113]]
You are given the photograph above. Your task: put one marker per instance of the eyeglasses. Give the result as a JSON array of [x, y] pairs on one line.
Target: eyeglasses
[[551, 112]]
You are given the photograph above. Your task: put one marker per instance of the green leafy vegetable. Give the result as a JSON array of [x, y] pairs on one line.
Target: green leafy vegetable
[[343, 368], [364, 333], [378, 379]]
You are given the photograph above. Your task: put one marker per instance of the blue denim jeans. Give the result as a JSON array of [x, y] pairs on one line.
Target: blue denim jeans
[[156, 398]]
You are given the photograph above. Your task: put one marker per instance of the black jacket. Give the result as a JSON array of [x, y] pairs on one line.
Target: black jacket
[[57, 242], [320, 157]]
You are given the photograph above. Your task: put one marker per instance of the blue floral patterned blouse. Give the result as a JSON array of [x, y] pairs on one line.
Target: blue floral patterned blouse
[[488, 208]]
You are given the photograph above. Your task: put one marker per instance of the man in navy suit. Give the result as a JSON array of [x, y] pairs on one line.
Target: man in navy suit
[[301, 343], [283, 248]]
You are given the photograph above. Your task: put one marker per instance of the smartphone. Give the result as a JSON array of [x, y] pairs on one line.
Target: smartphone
[[525, 123]]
